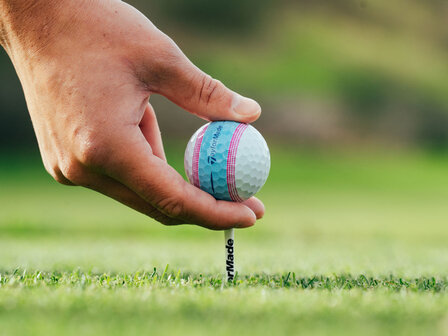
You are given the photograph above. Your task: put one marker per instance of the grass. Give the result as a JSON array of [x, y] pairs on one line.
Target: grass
[[175, 303], [352, 242], [88, 303], [167, 279]]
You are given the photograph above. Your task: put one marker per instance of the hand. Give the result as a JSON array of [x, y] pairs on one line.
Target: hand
[[87, 69]]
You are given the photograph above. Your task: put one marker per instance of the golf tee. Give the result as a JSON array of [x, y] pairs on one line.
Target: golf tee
[[230, 254]]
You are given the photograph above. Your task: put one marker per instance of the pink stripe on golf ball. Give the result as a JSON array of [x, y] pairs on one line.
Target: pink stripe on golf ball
[[196, 152], [231, 161]]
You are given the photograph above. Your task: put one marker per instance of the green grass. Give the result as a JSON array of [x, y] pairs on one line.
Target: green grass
[[88, 303], [166, 302], [352, 242]]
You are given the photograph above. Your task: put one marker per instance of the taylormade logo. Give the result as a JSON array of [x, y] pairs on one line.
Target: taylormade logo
[[230, 263], [212, 153]]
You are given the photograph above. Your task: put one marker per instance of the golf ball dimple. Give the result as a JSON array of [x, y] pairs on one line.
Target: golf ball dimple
[[227, 159]]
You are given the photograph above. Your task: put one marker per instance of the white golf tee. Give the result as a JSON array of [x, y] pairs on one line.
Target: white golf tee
[[230, 254]]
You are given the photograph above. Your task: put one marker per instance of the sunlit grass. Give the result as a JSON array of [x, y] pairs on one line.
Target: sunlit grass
[[351, 242]]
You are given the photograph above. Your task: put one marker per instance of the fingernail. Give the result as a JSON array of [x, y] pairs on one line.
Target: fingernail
[[246, 106]]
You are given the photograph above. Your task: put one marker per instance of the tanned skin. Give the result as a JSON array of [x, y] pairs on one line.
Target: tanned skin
[[88, 69]]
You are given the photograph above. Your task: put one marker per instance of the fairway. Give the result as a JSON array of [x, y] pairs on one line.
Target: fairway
[[352, 243]]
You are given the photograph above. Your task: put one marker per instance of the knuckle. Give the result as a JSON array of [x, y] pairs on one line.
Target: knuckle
[[172, 207], [72, 171], [90, 151], [208, 88], [60, 178], [57, 174], [160, 217]]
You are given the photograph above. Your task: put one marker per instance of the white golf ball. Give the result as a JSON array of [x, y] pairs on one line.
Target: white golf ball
[[227, 159]]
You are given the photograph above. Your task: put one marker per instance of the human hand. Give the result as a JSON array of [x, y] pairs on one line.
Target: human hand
[[88, 69]]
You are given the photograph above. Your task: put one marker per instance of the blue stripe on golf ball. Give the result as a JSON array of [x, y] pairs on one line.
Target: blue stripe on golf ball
[[213, 158]]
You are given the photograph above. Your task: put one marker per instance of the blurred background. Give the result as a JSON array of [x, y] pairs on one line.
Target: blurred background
[[327, 73], [355, 110]]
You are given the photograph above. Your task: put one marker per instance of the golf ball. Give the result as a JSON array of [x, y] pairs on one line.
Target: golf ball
[[227, 159]]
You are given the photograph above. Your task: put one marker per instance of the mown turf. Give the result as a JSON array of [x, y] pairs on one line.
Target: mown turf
[[174, 303], [352, 243], [151, 280]]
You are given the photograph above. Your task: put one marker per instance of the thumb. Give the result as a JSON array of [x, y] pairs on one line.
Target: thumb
[[195, 91]]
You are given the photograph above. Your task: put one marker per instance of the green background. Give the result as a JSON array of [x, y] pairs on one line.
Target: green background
[[355, 110]]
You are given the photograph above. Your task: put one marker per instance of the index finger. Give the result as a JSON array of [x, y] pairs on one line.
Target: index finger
[[159, 184]]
